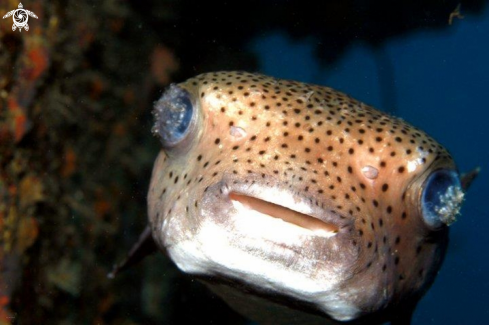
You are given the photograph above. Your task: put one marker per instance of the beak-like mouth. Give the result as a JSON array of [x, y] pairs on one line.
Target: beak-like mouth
[[316, 226]]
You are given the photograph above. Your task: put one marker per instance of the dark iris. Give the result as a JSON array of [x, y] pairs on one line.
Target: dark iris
[[441, 198], [173, 114]]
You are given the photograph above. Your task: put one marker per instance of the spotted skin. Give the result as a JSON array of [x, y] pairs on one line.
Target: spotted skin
[[361, 168]]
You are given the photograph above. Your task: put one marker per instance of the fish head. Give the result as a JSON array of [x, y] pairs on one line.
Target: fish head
[[298, 195]]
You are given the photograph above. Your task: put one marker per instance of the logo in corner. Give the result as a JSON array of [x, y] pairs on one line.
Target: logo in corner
[[20, 16]]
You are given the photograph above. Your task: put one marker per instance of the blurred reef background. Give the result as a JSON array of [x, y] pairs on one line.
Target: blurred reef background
[[76, 152]]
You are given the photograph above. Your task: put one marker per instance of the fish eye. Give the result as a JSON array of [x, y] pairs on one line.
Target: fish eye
[[441, 198], [174, 116]]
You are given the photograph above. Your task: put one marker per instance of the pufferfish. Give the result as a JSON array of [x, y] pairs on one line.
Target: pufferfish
[[297, 204]]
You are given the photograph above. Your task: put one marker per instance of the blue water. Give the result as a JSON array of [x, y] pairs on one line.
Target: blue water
[[441, 86]]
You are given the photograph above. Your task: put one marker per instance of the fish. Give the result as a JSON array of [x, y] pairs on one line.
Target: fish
[[297, 204]]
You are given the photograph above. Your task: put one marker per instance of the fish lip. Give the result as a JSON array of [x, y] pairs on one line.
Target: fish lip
[[276, 192]]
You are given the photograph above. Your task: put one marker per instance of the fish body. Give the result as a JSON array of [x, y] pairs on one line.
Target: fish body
[[297, 202]]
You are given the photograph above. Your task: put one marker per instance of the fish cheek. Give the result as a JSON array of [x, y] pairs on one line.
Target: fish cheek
[[167, 197], [417, 250]]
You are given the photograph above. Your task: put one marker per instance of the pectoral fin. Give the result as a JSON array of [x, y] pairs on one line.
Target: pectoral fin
[[143, 247], [467, 178]]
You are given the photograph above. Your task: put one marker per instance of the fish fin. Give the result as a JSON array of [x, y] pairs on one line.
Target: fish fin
[[143, 247], [467, 178]]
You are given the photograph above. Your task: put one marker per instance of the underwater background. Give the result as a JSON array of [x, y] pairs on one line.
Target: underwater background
[[76, 153]]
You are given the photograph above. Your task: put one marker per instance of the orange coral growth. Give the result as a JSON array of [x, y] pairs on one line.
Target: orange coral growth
[[97, 88], [120, 129], [102, 207], [69, 162], [19, 126], [27, 233], [5, 315], [31, 191], [163, 64], [39, 62]]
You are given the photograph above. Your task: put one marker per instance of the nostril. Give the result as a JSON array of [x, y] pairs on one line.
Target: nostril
[[442, 198]]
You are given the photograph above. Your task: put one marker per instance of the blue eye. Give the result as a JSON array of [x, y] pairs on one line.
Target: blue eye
[[173, 114], [441, 198]]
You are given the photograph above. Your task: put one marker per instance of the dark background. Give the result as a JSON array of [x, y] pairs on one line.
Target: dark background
[[76, 152]]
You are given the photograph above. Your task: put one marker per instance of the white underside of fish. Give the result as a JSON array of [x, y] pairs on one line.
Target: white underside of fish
[[252, 246]]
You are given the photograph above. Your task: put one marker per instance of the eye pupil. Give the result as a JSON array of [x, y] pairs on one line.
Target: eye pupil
[[442, 198], [173, 114]]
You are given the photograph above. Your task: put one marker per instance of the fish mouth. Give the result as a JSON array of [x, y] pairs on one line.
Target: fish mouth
[[316, 226], [276, 208]]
